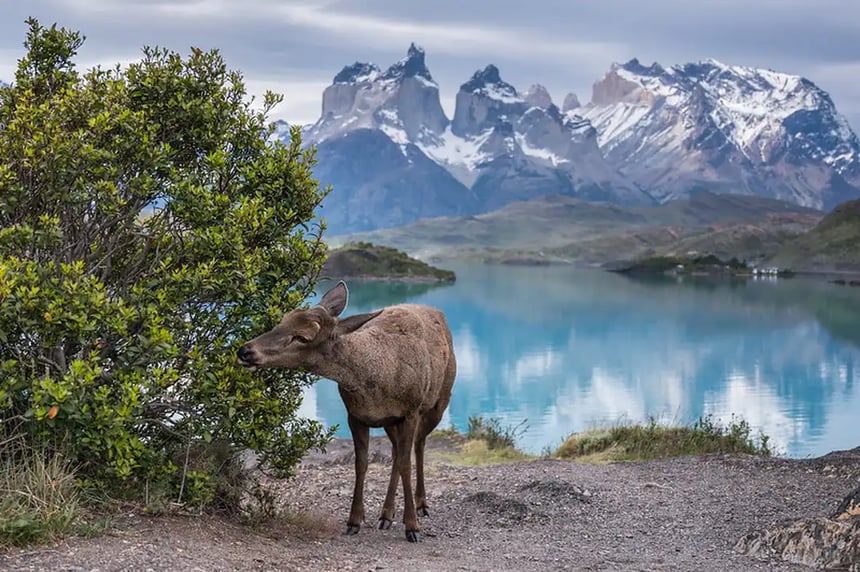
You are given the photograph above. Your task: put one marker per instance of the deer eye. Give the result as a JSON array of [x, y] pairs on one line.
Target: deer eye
[[300, 339]]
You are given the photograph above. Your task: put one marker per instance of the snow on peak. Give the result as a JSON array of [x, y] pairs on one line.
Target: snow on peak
[[488, 83], [359, 72], [747, 105], [401, 101], [411, 66], [760, 91], [578, 124], [635, 67]]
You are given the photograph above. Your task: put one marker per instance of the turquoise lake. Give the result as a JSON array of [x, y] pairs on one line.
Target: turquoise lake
[[569, 349]]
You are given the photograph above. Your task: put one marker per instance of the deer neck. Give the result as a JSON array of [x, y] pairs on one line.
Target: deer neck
[[340, 361]]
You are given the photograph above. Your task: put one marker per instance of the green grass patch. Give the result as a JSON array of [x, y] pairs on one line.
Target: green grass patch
[[655, 441], [487, 442], [477, 452]]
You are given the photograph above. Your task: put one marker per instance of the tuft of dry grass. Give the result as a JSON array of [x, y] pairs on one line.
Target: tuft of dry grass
[[262, 512], [38, 497], [301, 524], [479, 452], [491, 432], [282, 523]]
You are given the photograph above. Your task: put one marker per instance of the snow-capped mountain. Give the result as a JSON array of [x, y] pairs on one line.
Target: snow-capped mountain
[[508, 146], [367, 148], [402, 101], [501, 146], [725, 128], [648, 134]]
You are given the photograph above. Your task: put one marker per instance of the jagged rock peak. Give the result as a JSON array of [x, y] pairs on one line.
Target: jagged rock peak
[[634, 66], [357, 73], [411, 66], [570, 102], [489, 77], [538, 96]]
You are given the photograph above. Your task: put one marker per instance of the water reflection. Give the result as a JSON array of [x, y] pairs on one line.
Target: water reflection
[[569, 349]]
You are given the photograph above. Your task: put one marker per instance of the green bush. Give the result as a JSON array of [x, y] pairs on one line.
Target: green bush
[[147, 227]]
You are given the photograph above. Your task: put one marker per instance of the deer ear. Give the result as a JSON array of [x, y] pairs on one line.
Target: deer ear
[[334, 301], [352, 323]]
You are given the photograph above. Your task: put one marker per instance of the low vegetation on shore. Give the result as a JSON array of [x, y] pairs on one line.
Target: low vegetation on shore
[[654, 441], [364, 260], [707, 264], [701, 265], [487, 441]]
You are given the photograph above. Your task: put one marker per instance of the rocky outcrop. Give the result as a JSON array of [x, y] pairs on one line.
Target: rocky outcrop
[[820, 542], [571, 102], [614, 88], [402, 101], [377, 183], [483, 101], [538, 96]]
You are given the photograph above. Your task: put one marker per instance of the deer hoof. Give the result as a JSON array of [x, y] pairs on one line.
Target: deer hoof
[[412, 535], [352, 529], [384, 524], [422, 511]]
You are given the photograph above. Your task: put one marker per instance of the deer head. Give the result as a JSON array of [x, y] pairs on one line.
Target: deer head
[[300, 335]]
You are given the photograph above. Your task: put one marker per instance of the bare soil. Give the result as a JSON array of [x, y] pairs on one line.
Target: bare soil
[[670, 514]]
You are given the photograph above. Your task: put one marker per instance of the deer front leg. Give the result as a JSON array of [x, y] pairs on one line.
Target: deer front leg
[[387, 516], [361, 441]]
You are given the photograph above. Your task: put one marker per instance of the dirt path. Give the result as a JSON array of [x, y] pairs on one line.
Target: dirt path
[[674, 514]]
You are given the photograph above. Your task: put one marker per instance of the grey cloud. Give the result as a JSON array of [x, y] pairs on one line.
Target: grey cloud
[[563, 45]]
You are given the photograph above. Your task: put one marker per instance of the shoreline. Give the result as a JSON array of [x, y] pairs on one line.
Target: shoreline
[[709, 513]]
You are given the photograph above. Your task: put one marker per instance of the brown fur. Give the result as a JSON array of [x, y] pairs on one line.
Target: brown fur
[[394, 368]]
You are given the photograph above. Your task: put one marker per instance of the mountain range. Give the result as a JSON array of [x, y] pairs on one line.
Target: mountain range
[[560, 229], [647, 136]]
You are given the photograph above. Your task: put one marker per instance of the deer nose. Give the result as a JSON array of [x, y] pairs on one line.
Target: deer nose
[[245, 353]]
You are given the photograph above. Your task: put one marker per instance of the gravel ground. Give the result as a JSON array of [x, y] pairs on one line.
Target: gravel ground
[[671, 514]]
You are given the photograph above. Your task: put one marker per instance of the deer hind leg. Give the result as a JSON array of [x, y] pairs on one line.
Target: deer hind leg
[[425, 426], [405, 439], [361, 441], [402, 436]]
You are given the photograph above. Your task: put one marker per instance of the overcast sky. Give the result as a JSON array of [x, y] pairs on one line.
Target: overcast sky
[[296, 47]]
